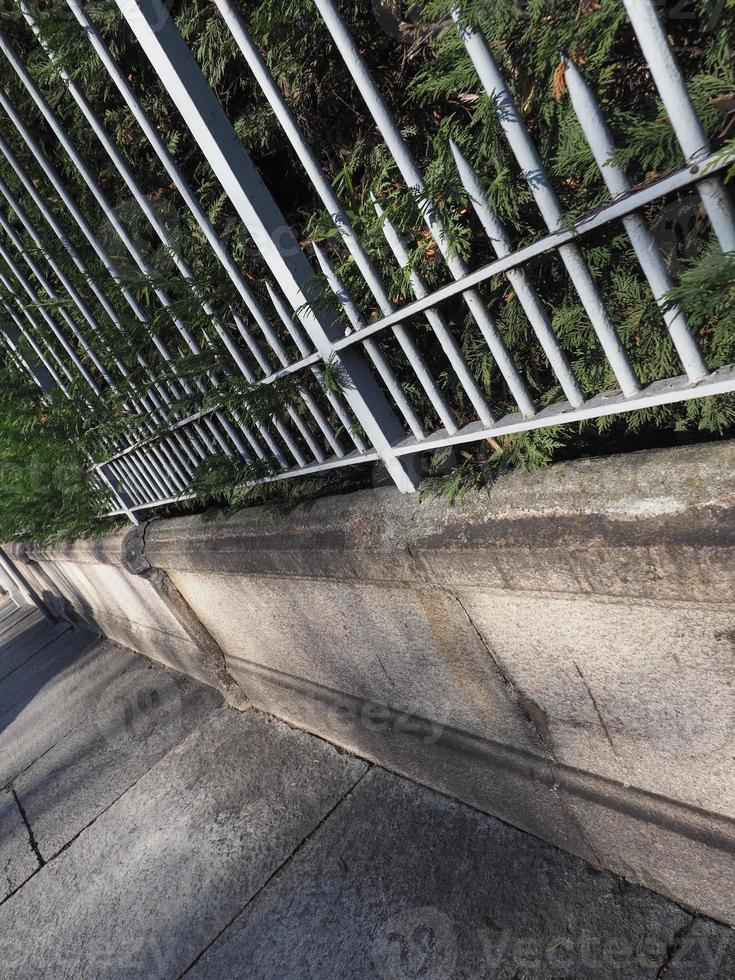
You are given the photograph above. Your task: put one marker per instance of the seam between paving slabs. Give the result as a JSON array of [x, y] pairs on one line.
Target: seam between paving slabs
[[9, 784], [127, 789], [31, 838], [36, 652], [674, 946], [32, 842], [281, 867]]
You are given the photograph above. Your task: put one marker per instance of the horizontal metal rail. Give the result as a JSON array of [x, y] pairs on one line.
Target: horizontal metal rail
[[620, 208]]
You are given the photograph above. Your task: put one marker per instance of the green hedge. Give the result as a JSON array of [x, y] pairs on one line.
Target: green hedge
[[432, 89]]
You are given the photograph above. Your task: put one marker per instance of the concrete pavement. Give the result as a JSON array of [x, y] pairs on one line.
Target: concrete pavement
[[149, 830]]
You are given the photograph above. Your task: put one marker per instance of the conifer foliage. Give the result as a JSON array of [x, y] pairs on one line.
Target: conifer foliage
[[415, 52]]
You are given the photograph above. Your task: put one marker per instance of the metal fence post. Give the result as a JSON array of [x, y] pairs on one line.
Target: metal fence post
[[199, 107]]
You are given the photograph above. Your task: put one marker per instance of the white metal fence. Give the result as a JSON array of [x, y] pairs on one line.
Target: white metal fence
[[377, 420]]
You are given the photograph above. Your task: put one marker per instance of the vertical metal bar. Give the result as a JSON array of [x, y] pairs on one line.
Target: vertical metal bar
[[43, 376], [72, 251], [53, 295], [55, 180], [372, 349], [435, 319], [77, 260], [48, 319], [680, 110], [411, 174], [24, 309], [130, 245], [53, 177], [322, 422], [548, 203], [430, 386], [204, 116], [527, 295], [38, 372], [150, 488], [34, 347], [122, 487], [46, 286], [644, 244], [59, 335], [122, 502], [141, 199], [149, 402], [119, 164], [180, 182], [324, 189]]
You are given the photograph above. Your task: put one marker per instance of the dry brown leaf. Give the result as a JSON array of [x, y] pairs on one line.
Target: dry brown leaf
[[586, 7], [559, 82], [724, 102]]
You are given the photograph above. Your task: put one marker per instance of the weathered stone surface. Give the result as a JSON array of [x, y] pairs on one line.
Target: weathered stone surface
[[253, 850], [75, 670], [211, 660], [435, 890], [33, 636], [126, 609], [643, 693], [154, 880], [707, 952], [665, 849], [105, 549], [603, 525], [511, 782], [130, 610], [18, 620], [414, 649], [567, 633], [140, 715], [6, 603], [17, 858]]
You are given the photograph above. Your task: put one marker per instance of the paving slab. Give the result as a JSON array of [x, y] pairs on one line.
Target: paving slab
[[52, 693], [140, 716], [34, 637], [18, 860], [160, 874], [403, 883], [18, 621]]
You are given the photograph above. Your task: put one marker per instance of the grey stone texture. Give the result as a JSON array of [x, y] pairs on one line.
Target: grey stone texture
[[156, 878], [438, 891], [705, 952], [18, 860], [124, 607], [139, 716], [226, 844], [556, 650], [74, 668], [30, 636]]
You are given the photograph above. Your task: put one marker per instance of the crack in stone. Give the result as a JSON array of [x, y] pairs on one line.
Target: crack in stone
[[31, 837], [595, 706], [538, 718], [677, 942]]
